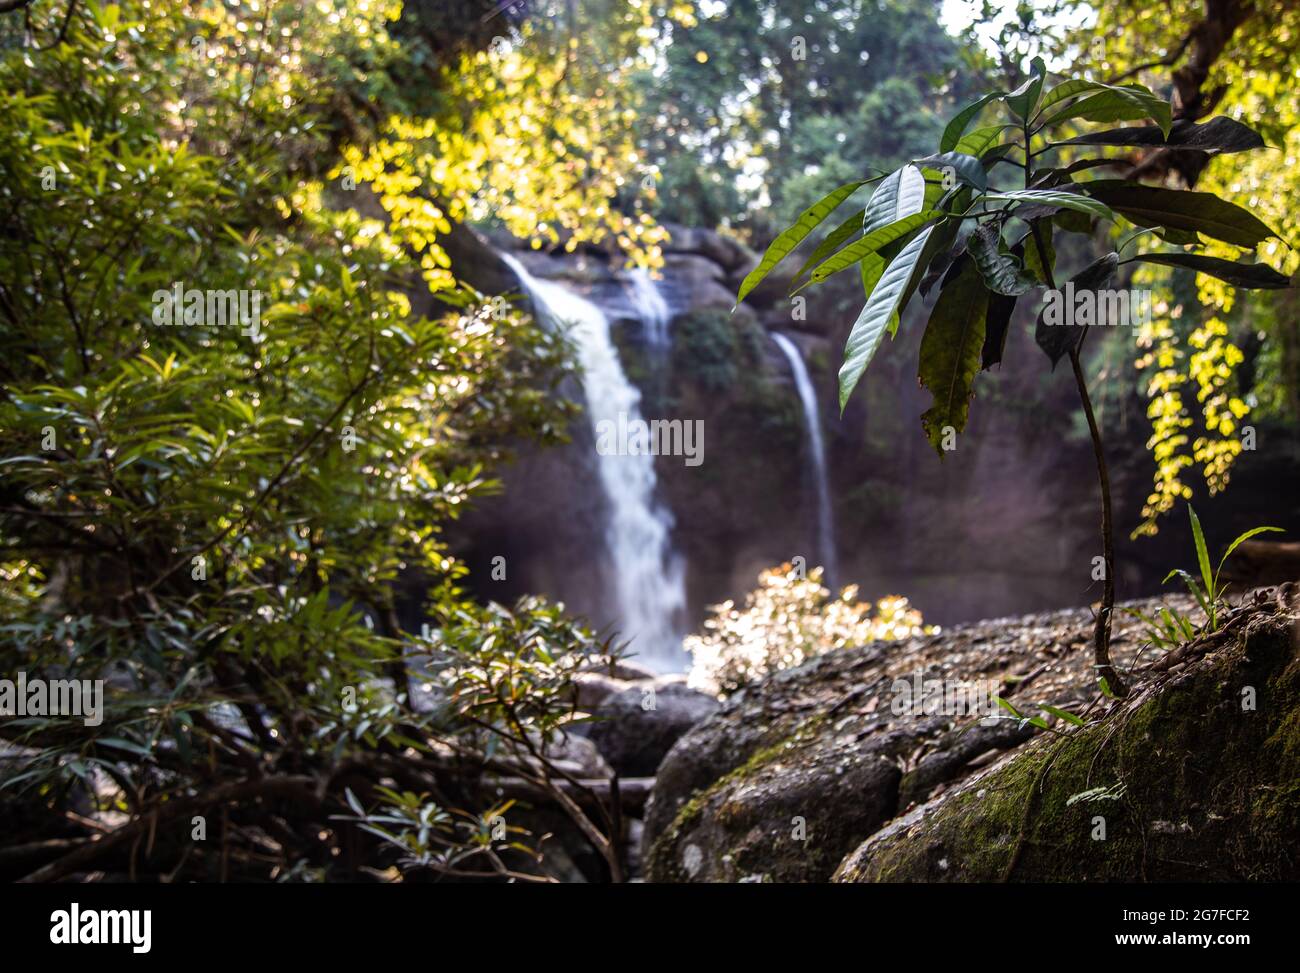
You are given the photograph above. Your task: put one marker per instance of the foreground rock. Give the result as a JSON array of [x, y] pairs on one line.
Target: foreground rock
[[802, 770], [635, 728]]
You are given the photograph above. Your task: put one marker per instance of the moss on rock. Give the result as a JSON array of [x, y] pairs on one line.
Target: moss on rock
[[1196, 778]]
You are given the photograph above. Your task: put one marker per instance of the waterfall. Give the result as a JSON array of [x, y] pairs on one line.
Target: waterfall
[[648, 575], [812, 420], [651, 308]]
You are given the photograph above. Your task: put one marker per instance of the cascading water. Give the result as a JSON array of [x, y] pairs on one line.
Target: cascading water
[[808, 399], [648, 574], [651, 308]]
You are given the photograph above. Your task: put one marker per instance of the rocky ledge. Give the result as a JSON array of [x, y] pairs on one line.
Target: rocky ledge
[[815, 773]]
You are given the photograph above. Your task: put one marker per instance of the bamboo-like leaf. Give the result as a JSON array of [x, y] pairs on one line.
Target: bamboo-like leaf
[[808, 221], [1202, 552], [1061, 714], [951, 351], [1240, 540]]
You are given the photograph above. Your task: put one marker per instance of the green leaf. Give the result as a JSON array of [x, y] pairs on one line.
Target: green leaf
[[1057, 338], [1054, 197], [997, 326], [1219, 135], [1249, 276], [1002, 272], [953, 132], [877, 315], [1113, 103], [1243, 538], [900, 194], [1061, 714], [1202, 552], [1180, 210], [833, 241], [951, 351], [872, 242], [808, 221], [1066, 89], [1024, 99], [1008, 707], [979, 141], [1034, 257], [966, 168]]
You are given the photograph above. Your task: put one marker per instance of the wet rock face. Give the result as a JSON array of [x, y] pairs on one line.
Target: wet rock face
[[794, 773]]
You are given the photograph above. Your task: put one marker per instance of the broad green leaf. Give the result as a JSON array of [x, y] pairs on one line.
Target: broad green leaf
[[899, 194], [954, 130], [1248, 276], [1180, 210], [979, 141], [879, 314], [870, 268], [833, 241], [951, 351], [1024, 99], [1113, 103], [965, 168], [808, 221], [1218, 136], [1054, 197], [1064, 90], [872, 242]]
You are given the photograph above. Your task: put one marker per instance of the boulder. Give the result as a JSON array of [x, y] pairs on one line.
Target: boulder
[[724, 251], [1194, 778], [796, 771], [636, 727]]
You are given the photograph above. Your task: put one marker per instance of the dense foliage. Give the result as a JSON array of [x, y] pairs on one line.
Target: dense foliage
[[233, 416]]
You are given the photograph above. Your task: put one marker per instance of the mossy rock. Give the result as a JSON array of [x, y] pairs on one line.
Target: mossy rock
[[1195, 778]]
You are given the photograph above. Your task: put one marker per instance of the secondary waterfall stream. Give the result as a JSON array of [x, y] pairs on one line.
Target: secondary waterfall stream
[[648, 583], [812, 421]]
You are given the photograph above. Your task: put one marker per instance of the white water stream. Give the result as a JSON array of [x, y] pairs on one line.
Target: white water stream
[[648, 583], [812, 421]]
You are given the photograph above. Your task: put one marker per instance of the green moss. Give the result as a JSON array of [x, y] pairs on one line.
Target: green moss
[[1209, 792], [663, 862]]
